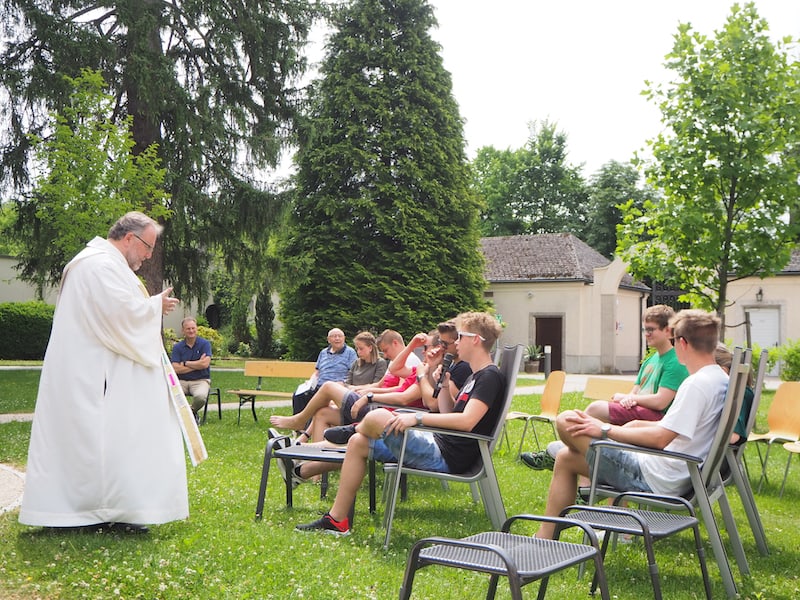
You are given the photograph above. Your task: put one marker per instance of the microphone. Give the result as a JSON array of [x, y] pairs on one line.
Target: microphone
[[447, 360]]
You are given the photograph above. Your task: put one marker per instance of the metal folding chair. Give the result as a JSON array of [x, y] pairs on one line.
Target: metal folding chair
[[522, 559]]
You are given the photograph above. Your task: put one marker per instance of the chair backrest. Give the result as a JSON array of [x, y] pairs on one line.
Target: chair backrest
[[604, 388], [740, 368], [509, 366], [783, 416], [758, 386], [551, 396]]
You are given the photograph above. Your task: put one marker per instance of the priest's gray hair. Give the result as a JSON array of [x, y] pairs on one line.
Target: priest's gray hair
[[132, 222]]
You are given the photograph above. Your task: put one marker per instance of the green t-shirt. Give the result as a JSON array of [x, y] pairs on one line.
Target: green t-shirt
[[661, 370]]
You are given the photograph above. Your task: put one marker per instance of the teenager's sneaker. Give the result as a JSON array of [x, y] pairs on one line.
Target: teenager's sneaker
[[326, 524], [340, 434], [538, 461]]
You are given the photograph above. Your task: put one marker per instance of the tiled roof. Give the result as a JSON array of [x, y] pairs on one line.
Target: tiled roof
[[794, 263], [546, 256]]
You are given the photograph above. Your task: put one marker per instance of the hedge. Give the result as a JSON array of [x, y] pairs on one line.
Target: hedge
[[26, 329]]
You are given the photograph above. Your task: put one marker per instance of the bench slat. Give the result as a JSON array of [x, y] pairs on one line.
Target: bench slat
[[278, 368]]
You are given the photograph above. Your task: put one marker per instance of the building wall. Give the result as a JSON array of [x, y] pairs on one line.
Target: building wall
[[780, 293], [581, 307], [14, 290]]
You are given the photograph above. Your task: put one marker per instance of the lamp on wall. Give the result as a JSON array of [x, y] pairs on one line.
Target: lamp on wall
[[760, 295]]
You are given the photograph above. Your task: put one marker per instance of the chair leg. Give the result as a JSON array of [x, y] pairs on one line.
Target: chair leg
[[733, 532], [262, 490], [522, 437], [764, 479], [701, 557], [785, 474], [742, 483], [714, 536], [205, 410]]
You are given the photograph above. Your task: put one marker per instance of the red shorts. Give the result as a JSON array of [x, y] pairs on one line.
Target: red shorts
[[619, 415]]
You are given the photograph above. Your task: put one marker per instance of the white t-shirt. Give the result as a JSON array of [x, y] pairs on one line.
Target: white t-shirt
[[694, 416], [413, 361]]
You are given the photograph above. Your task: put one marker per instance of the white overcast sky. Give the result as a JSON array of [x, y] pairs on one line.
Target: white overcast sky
[[579, 63]]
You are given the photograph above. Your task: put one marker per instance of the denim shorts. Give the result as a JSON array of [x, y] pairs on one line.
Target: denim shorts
[[349, 399], [619, 469], [422, 452]]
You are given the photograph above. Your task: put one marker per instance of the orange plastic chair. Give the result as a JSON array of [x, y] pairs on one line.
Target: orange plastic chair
[[550, 403], [783, 421]]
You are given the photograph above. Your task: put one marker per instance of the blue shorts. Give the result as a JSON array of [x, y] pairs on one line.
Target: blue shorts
[[349, 399], [422, 452], [619, 469]]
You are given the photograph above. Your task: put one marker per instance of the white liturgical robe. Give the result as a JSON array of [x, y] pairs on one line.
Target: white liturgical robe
[[106, 444]]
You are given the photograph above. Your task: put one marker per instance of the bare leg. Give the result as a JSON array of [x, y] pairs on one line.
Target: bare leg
[[329, 392], [569, 464], [325, 417], [599, 410], [355, 461]]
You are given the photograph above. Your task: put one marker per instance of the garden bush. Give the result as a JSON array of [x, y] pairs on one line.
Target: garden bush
[[26, 329], [789, 356]]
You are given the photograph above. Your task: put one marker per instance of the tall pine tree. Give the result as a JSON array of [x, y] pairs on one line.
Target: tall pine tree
[[384, 230], [208, 83]]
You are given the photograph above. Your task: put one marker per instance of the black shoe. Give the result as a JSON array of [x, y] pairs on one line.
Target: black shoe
[[326, 524], [127, 528], [538, 461], [340, 434]]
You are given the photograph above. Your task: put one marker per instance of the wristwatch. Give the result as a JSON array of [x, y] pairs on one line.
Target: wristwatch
[[419, 418], [604, 429], [369, 398]]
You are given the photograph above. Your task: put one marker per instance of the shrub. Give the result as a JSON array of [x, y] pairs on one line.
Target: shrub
[[789, 355], [26, 329]]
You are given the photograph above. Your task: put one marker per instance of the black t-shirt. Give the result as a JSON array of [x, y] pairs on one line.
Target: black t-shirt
[[488, 386], [459, 372]]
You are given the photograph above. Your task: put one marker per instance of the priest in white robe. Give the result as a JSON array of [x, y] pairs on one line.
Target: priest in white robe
[[106, 444]]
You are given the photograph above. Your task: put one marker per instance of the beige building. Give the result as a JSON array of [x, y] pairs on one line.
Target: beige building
[[769, 307], [14, 290], [554, 290]]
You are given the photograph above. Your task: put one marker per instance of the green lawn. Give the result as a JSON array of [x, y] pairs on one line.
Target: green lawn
[[221, 552]]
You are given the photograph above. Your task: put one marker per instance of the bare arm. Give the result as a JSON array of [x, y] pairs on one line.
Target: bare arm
[[658, 401], [398, 365], [192, 365], [644, 433]]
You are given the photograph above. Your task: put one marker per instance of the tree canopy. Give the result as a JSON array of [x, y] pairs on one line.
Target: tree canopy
[[384, 229], [533, 189], [210, 83], [727, 163], [613, 185], [88, 177]]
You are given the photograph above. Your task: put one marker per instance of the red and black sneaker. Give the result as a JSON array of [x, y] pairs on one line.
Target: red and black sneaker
[[327, 524]]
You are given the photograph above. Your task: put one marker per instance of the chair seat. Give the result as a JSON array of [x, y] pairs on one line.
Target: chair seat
[[533, 557], [659, 524], [522, 559]]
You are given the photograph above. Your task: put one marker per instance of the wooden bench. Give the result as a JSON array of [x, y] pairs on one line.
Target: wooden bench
[[604, 388], [270, 368]]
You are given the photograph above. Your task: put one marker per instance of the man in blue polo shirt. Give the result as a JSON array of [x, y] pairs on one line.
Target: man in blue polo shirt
[[191, 358], [333, 363]]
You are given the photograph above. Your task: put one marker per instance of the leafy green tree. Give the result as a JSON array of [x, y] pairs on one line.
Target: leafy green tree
[[384, 230], [727, 163], [89, 177], [210, 83], [614, 184], [533, 189]]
